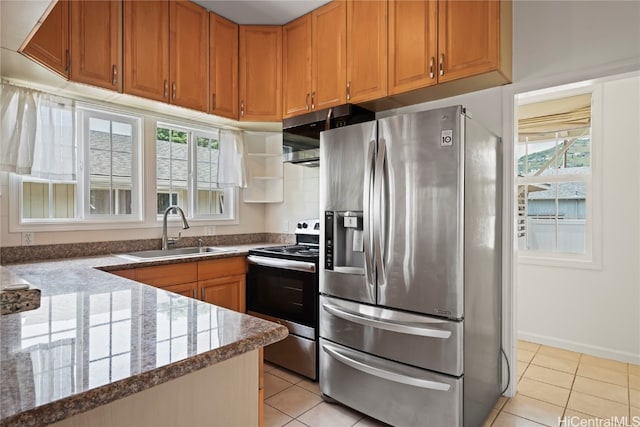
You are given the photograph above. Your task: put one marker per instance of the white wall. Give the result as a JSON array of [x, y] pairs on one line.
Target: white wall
[[596, 311], [301, 199]]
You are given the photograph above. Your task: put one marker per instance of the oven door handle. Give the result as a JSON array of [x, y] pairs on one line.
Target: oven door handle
[[307, 267]]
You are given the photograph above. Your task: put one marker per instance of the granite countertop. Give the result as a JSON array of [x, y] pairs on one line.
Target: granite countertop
[[97, 337]]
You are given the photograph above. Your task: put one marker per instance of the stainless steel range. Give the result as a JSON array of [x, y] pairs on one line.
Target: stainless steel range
[[282, 286]]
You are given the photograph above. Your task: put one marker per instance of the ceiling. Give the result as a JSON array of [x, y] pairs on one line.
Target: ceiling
[[264, 12]]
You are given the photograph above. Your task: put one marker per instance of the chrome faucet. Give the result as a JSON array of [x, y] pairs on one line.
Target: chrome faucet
[[185, 225]]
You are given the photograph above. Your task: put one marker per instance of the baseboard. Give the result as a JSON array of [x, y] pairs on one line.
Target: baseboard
[[593, 350]]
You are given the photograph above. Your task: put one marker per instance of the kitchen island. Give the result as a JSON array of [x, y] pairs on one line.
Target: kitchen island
[[104, 350]]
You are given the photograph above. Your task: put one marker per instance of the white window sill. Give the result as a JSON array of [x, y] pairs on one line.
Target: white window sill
[[588, 262]]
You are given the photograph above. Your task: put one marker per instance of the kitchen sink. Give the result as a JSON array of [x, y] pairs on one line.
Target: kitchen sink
[[176, 252]]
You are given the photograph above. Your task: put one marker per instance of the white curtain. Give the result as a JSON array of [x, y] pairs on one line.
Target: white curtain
[[17, 128], [231, 161], [36, 134]]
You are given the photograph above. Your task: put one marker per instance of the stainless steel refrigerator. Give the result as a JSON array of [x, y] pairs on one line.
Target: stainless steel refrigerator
[[410, 268]]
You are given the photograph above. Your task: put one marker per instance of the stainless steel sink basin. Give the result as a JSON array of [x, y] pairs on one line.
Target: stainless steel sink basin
[[175, 252]]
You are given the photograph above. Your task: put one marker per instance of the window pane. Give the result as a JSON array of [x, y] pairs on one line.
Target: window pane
[[110, 167], [209, 197], [172, 167], [558, 156], [42, 200], [556, 217]]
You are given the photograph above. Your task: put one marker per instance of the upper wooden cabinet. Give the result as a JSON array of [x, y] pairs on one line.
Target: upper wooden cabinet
[[366, 50], [189, 62], [412, 44], [49, 45], [166, 52], [296, 66], [448, 40], [329, 55], [94, 43], [260, 73], [223, 66], [146, 49], [314, 67], [468, 38]]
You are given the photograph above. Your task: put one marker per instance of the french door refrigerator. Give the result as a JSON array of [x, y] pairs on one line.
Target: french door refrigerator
[[410, 268]]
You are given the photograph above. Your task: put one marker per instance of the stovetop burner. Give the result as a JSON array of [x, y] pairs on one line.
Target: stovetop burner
[[293, 250], [307, 245]]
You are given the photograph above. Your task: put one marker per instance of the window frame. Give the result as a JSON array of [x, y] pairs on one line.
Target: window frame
[[231, 194], [83, 220], [592, 259], [84, 114]]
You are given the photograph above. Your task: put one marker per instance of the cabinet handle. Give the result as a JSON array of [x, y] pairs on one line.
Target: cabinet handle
[[313, 104], [114, 75], [67, 65], [306, 102], [431, 62], [195, 293], [214, 102], [441, 64], [173, 90], [241, 108], [348, 90], [166, 88], [203, 294]]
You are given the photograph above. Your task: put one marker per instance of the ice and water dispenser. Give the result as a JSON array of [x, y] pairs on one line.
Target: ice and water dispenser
[[344, 242]]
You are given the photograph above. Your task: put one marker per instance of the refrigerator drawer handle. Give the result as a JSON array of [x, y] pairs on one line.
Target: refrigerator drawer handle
[[386, 325], [307, 267], [384, 374]]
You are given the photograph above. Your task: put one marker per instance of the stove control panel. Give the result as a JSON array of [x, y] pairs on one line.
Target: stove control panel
[[308, 226]]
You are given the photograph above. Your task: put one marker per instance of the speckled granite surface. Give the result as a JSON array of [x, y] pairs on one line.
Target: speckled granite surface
[[20, 254], [97, 338]]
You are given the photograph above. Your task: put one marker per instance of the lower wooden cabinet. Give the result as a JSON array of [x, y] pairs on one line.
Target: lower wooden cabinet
[[218, 281], [227, 292]]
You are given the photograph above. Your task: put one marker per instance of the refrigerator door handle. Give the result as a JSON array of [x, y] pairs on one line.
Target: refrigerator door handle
[[378, 215], [368, 211], [383, 373], [403, 328]]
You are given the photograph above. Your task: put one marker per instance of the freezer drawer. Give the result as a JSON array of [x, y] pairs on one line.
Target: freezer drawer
[[389, 391], [422, 341]]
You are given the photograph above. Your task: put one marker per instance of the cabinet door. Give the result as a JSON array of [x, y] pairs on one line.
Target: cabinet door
[[146, 49], [412, 44], [366, 50], [94, 43], [185, 289], [468, 38], [49, 45], [215, 268], [329, 55], [227, 292], [223, 66], [189, 41], [260, 73], [296, 66], [170, 274]]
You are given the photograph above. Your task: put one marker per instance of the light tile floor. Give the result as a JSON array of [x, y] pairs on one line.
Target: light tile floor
[[556, 388]]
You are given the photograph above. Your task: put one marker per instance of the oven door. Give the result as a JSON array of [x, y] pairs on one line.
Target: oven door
[[283, 289]]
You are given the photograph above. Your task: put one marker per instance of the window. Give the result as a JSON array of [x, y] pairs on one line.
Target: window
[[110, 157], [554, 164], [99, 179], [49, 191], [187, 173]]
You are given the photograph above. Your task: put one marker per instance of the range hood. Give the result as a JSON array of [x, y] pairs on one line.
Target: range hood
[[301, 134]]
